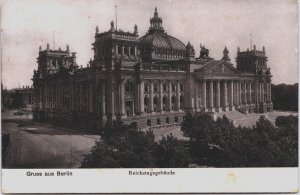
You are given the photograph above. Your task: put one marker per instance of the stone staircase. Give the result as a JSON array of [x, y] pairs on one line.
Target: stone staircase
[[238, 118]]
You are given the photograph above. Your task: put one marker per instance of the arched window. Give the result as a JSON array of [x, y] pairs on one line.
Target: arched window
[[165, 100], [173, 87], [173, 102], [129, 87], [146, 104], [155, 88], [181, 102], [155, 103], [146, 88], [164, 87], [181, 87]]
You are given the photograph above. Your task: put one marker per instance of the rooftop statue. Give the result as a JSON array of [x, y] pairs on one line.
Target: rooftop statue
[[203, 52]]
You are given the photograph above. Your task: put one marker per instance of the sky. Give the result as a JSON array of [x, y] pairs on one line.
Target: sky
[[27, 24]]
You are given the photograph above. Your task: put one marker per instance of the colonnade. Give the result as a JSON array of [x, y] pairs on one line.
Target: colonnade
[[151, 101], [126, 50], [160, 96], [224, 95]]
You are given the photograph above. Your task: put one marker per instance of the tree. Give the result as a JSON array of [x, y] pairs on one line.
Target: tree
[[218, 143], [285, 97], [122, 146], [171, 152]]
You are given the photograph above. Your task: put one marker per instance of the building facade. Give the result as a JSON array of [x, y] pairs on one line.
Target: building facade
[[151, 81], [22, 97]]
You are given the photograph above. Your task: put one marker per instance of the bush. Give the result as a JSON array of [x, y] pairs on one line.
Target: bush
[[218, 143], [171, 152], [122, 146], [285, 97]]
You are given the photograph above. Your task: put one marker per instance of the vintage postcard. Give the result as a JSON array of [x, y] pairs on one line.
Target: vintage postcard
[[136, 96]]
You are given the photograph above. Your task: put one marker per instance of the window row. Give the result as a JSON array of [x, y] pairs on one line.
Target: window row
[[129, 87], [159, 121], [164, 87], [126, 50], [165, 104]]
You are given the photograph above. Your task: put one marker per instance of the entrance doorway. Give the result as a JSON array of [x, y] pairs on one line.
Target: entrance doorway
[[129, 108]]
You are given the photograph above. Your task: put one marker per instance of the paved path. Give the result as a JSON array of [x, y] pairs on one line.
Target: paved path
[[38, 146]]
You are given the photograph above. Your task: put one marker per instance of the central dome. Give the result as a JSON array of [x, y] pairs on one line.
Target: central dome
[[162, 40], [158, 45]]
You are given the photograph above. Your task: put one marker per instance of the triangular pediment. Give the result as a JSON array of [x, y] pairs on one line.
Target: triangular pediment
[[218, 67]]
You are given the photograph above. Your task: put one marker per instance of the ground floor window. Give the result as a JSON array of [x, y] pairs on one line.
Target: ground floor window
[[168, 120], [149, 122], [176, 119], [158, 121]]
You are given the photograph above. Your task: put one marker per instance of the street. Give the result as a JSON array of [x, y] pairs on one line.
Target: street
[[43, 146]]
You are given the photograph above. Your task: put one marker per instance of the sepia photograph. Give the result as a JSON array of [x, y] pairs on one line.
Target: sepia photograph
[[117, 84]]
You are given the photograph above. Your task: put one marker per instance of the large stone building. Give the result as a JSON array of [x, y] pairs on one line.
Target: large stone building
[[149, 81], [18, 97]]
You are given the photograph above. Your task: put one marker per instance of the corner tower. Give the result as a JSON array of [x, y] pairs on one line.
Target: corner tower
[[114, 45], [253, 61], [51, 61]]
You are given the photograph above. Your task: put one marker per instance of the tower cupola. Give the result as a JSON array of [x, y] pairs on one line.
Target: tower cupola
[[156, 22]]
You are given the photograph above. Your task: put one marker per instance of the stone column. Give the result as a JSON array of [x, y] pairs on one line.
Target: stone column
[[225, 100], [129, 50], [260, 92], [91, 106], [204, 95], [178, 96], [80, 97], [72, 96], [250, 93], [151, 97], [240, 93], [141, 96], [122, 50], [135, 51], [218, 96], [235, 94], [211, 97], [196, 96], [116, 49], [231, 95], [160, 97], [122, 99], [256, 92], [113, 101], [263, 92], [245, 93], [103, 94], [270, 92], [46, 95], [169, 96]]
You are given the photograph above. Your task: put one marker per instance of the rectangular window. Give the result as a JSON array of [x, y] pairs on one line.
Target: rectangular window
[[168, 120], [158, 121]]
